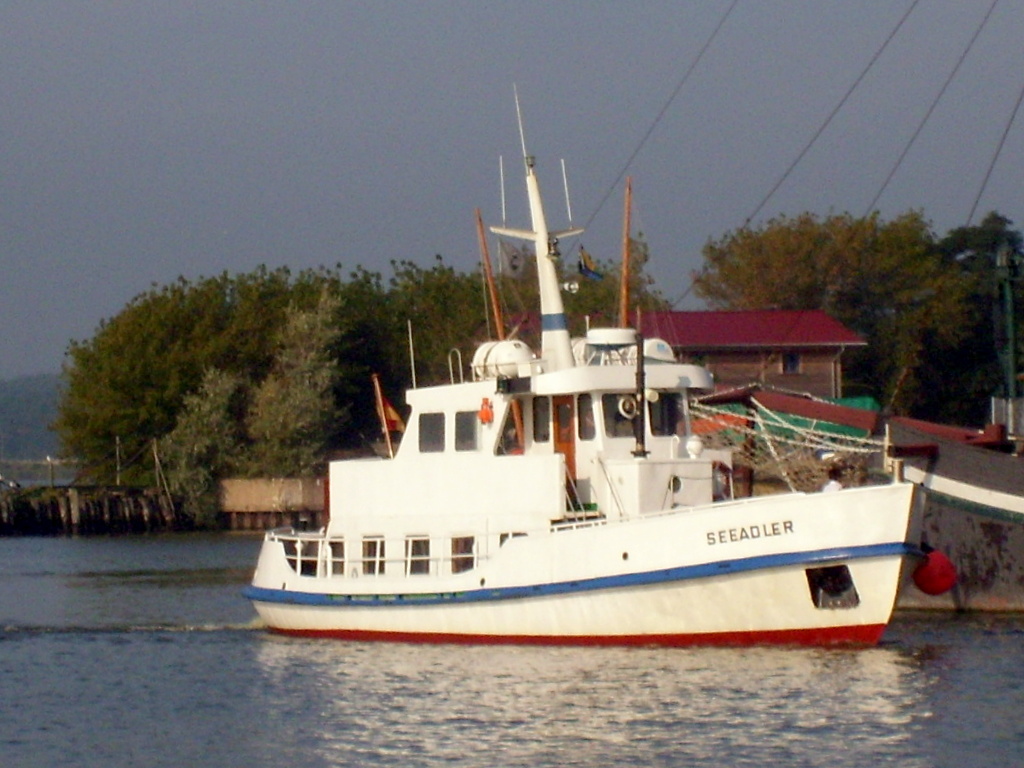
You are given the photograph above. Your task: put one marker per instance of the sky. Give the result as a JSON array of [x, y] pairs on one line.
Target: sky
[[145, 140]]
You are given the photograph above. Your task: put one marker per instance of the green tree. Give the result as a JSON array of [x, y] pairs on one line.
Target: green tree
[[292, 411], [886, 280], [128, 382], [206, 443], [967, 380]]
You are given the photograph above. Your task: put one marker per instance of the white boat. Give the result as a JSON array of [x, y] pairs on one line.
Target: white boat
[[563, 499]]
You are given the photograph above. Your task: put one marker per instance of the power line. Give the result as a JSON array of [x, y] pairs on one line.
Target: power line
[[928, 114], [661, 113], [995, 156], [833, 113]]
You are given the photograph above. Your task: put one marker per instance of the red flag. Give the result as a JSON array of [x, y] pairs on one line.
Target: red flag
[[392, 420]]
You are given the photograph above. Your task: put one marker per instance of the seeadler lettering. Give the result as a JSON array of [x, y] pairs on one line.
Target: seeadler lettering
[[762, 531]]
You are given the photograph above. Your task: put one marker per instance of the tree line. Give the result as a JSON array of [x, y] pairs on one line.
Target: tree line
[[268, 373]]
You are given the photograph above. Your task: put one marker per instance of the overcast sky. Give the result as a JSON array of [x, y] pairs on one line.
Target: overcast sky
[[147, 140]]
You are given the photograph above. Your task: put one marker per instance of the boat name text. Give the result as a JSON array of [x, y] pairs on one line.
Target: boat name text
[[761, 531]]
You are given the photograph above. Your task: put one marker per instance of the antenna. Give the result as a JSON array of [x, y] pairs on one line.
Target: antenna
[[501, 175], [565, 184], [519, 117]]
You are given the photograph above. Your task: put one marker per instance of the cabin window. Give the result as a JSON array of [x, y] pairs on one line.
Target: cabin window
[[465, 430], [417, 555], [510, 443], [585, 414], [616, 415], [791, 362], [541, 419], [302, 556], [431, 432], [667, 415], [337, 566], [463, 554], [373, 555], [506, 536], [832, 587]]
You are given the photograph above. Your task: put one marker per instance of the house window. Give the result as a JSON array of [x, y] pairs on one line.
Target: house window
[[791, 362], [373, 556], [541, 419], [585, 414], [463, 555], [465, 430], [417, 555], [337, 566], [431, 432]]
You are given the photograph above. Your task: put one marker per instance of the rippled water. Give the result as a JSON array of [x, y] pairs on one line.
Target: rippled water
[[140, 652]]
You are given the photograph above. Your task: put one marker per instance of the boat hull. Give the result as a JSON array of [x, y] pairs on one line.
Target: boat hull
[[739, 573], [970, 506], [770, 607]]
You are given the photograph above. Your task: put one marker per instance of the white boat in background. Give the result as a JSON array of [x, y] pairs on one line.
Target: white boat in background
[[563, 499]]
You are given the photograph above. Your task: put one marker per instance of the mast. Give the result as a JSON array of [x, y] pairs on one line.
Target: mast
[[499, 321], [556, 347], [624, 282]]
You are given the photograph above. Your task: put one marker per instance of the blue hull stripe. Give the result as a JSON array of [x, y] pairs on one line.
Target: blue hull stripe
[[553, 323], [683, 573]]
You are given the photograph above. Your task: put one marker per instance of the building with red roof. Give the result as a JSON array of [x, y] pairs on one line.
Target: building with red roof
[[789, 349]]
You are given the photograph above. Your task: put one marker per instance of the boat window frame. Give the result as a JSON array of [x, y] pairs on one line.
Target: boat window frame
[[586, 424], [541, 418], [656, 411], [461, 559], [417, 563], [466, 431], [615, 424], [335, 562], [431, 432], [374, 555]]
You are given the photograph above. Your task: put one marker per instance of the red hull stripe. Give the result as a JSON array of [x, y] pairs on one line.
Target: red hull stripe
[[860, 635]]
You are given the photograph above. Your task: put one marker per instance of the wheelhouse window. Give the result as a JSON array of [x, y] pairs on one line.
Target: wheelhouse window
[[417, 555], [617, 419], [465, 430], [373, 556], [585, 415], [463, 554], [667, 414], [541, 419], [431, 432]]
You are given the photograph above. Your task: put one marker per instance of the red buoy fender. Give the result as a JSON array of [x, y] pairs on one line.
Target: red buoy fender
[[936, 574]]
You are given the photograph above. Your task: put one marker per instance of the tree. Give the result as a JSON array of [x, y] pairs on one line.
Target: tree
[[206, 443], [128, 382], [967, 380], [292, 411], [886, 280]]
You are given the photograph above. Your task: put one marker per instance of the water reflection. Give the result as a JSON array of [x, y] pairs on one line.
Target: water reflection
[[541, 706]]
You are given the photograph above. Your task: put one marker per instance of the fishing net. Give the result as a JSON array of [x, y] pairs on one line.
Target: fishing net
[[777, 449]]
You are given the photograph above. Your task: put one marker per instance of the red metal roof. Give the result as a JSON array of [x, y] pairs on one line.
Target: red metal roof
[[744, 329]]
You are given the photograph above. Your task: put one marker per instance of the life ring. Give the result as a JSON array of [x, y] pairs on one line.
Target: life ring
[[627, 406], [721, 481], [486, 412]]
